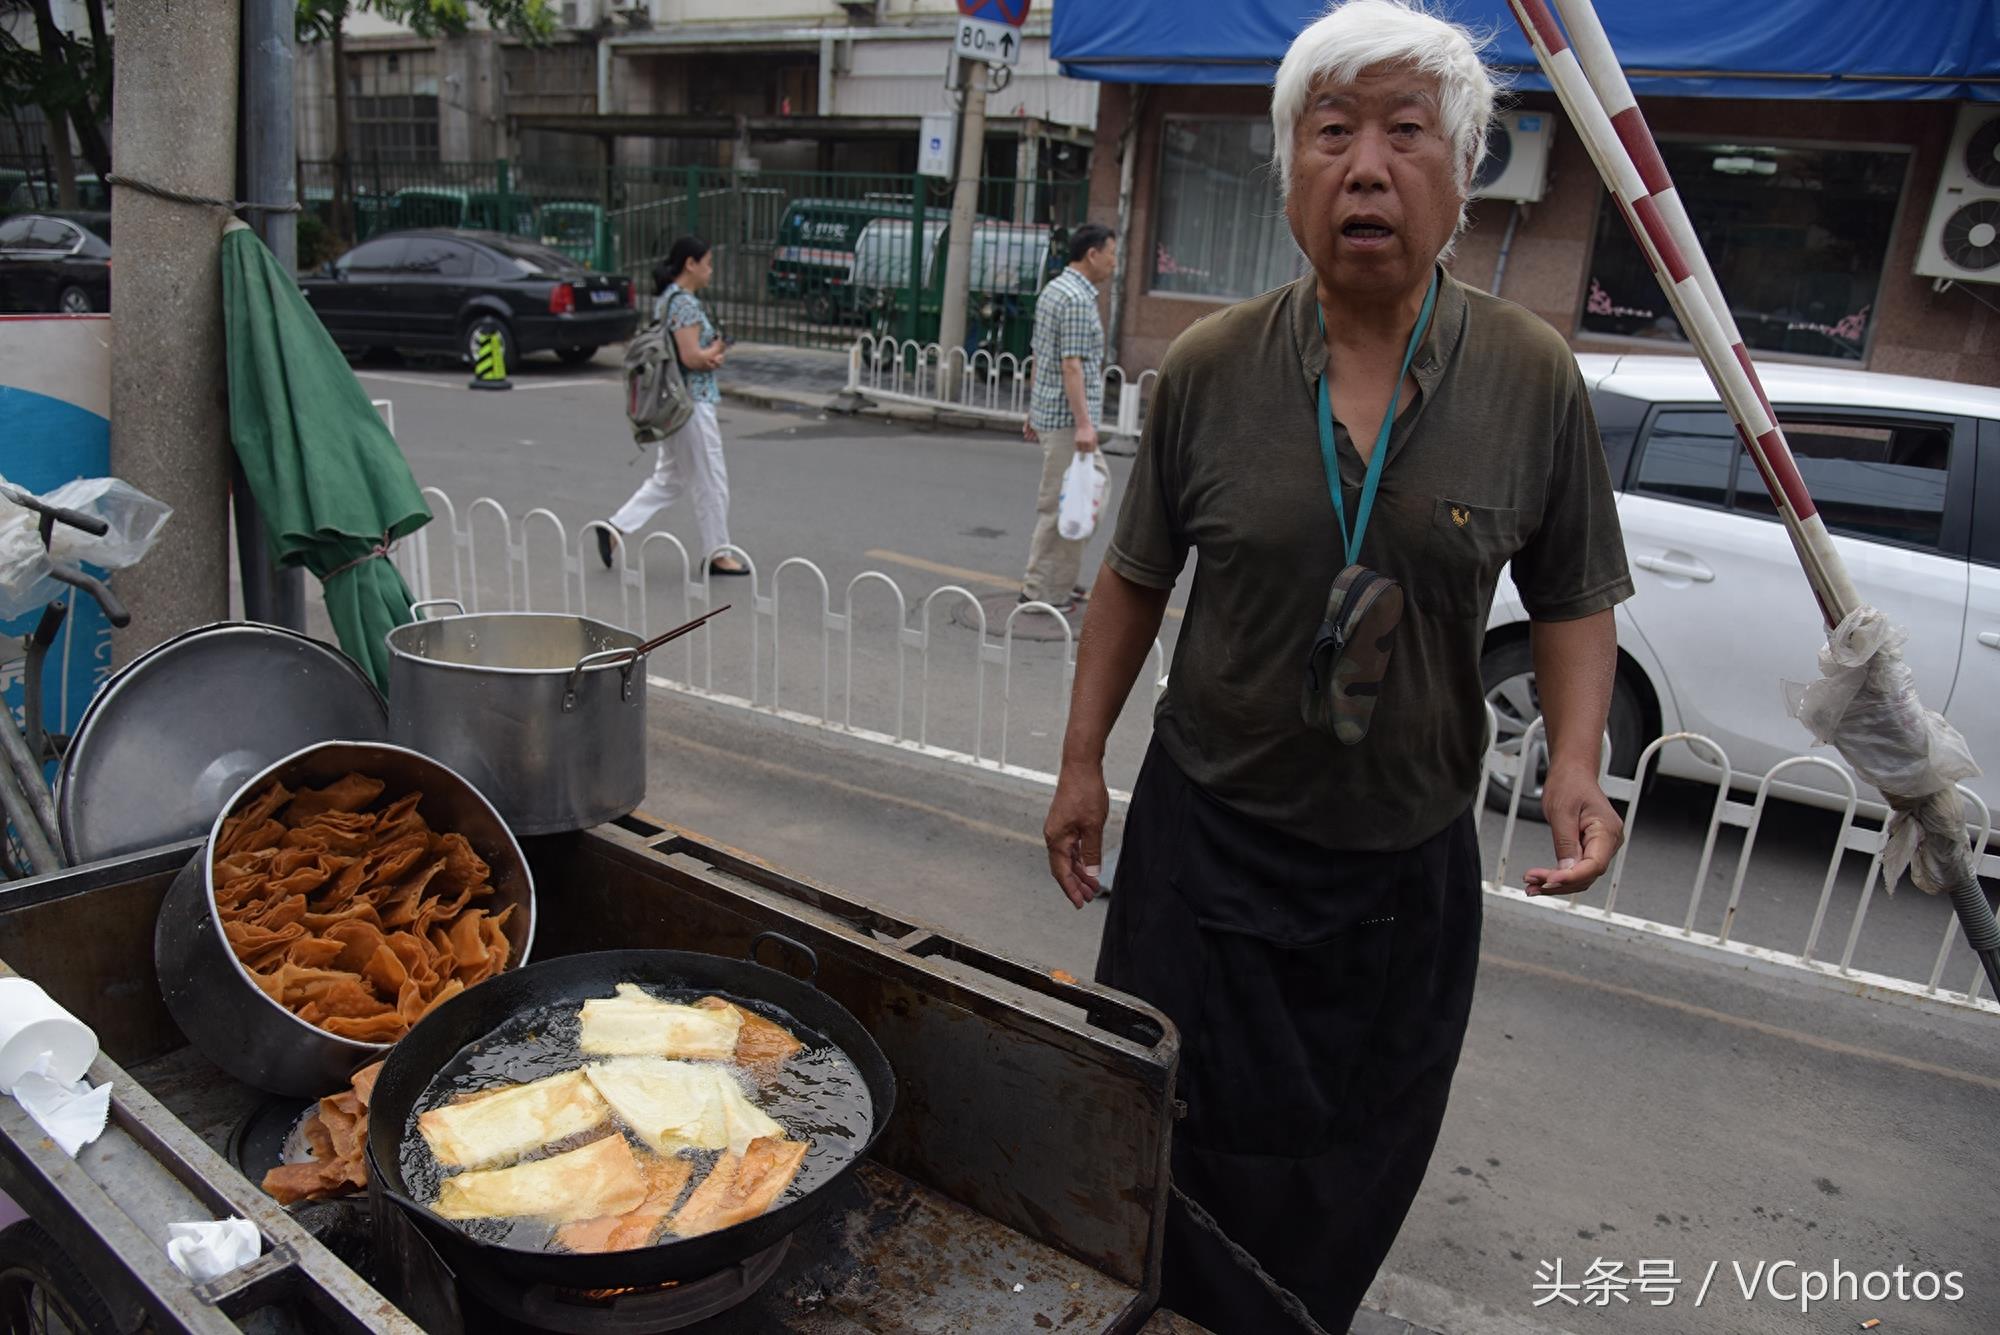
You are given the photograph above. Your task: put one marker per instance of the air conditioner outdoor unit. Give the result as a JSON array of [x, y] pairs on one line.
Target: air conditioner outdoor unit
[[1516, 165], [1962, 238]]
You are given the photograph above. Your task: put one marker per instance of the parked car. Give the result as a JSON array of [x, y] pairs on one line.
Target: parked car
[[814, 258], [578, 229], [1906, 474], [25, 191], [56, 262], [1008, 271], [441, 291]]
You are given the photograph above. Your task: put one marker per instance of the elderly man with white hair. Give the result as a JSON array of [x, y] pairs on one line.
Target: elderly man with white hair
[[1355, 457]]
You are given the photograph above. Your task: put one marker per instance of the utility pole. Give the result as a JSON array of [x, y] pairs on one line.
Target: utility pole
[[174, 125], [977, 79], [270, 176]]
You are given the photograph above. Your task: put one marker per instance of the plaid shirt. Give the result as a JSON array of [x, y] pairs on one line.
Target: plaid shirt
[[1066, 325]]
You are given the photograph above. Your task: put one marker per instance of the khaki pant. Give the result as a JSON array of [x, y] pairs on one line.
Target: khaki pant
[[1053, 560]]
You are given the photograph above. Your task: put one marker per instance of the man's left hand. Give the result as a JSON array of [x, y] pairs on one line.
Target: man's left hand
[[1585, 827]]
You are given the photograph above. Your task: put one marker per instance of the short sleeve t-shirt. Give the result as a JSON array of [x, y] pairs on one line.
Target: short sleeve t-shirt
[[682, 309], [1066, 325], [1495, 460]]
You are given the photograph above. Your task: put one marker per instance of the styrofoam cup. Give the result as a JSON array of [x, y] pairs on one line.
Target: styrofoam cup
[[31, 1023]]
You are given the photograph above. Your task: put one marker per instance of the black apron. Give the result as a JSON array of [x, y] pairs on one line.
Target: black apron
[[1321, 998]]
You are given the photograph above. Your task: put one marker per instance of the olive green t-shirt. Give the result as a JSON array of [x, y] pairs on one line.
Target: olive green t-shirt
[[1495, 459]]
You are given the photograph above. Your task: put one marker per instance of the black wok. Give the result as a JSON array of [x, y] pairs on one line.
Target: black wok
[[476, 1012]]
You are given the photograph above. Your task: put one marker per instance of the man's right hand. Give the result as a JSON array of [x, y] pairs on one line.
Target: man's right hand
[[1086, 437], [1074, 831]]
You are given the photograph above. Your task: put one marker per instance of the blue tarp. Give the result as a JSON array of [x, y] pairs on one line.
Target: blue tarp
[[1861, 49]]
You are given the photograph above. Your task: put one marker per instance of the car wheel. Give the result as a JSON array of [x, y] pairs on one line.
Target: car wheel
[[478, 328], [820, 308], [74, 301], [575, 356], [1507, 674], [42, 1291]]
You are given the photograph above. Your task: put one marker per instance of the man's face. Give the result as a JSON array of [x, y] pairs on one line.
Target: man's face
[[1373, 199], [1098, 264]]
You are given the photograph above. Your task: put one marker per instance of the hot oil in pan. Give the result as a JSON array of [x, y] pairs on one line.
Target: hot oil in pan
[[818, 1096]]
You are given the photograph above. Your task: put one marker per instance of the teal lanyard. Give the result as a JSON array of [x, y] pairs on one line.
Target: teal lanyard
[[1352, 542]]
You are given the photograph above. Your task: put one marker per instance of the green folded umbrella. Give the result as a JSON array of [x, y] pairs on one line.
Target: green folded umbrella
[[330, 480]]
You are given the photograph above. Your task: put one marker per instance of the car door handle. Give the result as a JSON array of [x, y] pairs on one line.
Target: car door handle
[[1663, 565], [1990, 638]]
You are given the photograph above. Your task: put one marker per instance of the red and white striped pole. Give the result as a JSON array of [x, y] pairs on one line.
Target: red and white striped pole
[[1594, 92], [1592, 87]]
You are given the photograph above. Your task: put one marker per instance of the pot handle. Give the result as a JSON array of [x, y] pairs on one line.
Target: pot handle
[[417, 609], [789, 943], [603, 657]]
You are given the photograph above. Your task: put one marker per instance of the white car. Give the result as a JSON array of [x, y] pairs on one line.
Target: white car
[[1906, 474]]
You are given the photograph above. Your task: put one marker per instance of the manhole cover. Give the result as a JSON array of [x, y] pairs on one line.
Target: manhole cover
[[1036, 625]]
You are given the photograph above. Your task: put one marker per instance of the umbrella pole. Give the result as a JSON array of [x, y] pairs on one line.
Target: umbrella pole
[[1591, 85]]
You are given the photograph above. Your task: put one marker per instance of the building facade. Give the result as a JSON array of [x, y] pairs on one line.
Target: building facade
[[1816, 211], [786, 85]]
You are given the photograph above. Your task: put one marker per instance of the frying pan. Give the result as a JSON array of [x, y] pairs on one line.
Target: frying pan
[[571, 980]]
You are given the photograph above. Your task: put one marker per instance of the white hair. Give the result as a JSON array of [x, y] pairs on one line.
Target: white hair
[[1356, 35]]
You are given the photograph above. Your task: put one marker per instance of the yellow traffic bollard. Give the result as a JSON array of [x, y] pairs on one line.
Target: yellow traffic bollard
[[489, 364]]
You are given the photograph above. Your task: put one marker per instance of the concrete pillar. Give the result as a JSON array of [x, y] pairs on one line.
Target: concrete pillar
[[469, 97], [174, 119]]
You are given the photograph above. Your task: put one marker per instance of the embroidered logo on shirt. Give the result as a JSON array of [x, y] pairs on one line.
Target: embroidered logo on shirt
[[1460, 515]]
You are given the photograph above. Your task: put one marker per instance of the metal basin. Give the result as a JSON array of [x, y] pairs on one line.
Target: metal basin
[[212, 996], [542, 712]]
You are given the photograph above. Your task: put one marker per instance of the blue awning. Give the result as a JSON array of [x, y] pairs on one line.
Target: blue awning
[[1848, 49]]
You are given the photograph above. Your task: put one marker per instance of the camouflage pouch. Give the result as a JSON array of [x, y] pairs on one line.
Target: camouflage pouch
[[1350, 654]]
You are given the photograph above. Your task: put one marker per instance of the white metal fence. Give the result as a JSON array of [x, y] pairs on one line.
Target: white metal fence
[[998, 386], [489, 561]]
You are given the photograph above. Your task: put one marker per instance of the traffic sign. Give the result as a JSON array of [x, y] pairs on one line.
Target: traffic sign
[[982, 39], [1013, 13], [936, 145]]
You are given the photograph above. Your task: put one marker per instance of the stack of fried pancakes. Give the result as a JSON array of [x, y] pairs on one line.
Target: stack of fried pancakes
[[353, 913]]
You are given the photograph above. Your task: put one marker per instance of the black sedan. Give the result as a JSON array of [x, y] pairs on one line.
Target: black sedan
[[442, 291], [56, 263]]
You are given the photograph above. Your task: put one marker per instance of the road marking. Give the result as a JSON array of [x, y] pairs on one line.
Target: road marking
[[857, 790], [425, 382], [959, 572], [1828, 1045], [448, 381]]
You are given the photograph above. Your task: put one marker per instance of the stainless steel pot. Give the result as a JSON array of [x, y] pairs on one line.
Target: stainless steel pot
[[212, 996], [544, 713]]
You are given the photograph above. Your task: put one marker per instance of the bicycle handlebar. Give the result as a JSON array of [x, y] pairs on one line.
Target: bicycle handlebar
[[114, 610], [90, 524]]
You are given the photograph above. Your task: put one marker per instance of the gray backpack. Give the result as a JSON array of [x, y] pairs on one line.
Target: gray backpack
[[657, 401]]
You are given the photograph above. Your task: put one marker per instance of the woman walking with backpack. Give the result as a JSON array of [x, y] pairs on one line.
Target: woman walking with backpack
[[691, 458]]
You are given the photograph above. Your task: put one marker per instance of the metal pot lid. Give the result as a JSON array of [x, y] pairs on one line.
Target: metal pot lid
[[172, 737]]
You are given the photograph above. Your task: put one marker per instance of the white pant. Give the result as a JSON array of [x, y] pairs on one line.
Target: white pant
[[690, 460]]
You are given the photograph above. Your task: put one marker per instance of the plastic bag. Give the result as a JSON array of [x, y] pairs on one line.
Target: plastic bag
[[135, 521], [1865, 705], [24, 566], [1082, 497]]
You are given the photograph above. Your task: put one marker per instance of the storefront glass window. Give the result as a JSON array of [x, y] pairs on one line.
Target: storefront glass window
[[1797, 237], [1219, 229]]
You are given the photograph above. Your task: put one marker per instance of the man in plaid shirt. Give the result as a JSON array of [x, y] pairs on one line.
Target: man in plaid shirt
[[1062, 415]]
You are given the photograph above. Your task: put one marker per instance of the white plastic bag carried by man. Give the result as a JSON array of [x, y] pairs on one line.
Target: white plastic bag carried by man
[[1082, 500]]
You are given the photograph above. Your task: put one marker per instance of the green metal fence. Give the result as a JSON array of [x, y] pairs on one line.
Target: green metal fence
[[804, 258]]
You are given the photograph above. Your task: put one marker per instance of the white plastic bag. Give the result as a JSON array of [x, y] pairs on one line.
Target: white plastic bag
[[1082, 496], [1865, 705], [135, 519]]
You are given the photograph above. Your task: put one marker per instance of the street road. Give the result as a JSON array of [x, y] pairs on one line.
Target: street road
[[1616, 1102]]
